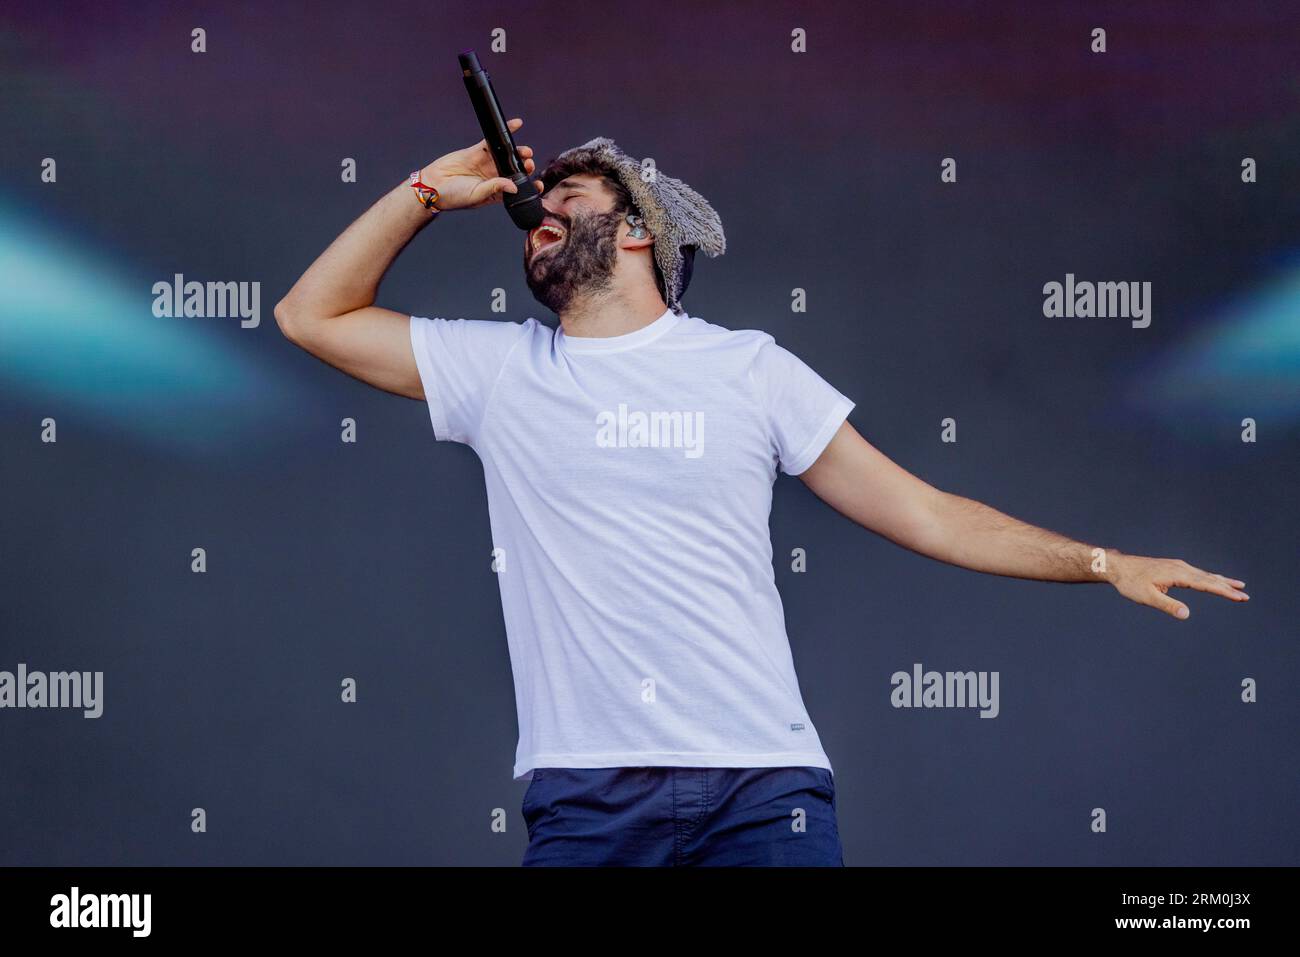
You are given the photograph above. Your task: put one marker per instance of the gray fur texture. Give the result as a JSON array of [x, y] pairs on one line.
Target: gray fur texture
[[675, 214]]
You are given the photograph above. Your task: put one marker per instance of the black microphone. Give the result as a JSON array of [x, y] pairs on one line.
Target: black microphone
[[525, 206]]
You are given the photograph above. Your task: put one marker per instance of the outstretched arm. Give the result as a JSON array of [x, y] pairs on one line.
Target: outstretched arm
[[863, 484]]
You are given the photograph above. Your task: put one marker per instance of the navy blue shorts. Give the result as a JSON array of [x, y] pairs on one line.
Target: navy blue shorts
[[661, 816]]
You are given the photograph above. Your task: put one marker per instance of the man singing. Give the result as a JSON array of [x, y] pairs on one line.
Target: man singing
[[630, 456]]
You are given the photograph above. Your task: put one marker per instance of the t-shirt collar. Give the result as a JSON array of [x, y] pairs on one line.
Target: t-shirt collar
[[630, 340]]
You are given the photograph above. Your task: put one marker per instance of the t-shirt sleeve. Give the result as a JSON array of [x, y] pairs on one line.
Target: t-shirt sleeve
[[460, 361], [803, 410]]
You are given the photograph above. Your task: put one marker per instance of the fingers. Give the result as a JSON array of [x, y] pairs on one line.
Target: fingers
[[529, 166], [1188, 576], [526, 153], [1170, 606], [1218, 585], [490, 191], [511, 125], [1230, 581], [1149, 581]]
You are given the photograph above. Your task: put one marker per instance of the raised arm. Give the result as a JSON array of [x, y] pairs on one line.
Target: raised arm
[[863, 484], [330, 311]]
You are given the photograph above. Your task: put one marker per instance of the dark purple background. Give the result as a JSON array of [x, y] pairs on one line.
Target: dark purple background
[[925, 301]]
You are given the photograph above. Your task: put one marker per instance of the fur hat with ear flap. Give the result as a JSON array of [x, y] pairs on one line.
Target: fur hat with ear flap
[[680, 219]]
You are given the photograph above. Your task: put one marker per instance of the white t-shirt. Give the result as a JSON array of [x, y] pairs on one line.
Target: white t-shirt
[[629, 484]]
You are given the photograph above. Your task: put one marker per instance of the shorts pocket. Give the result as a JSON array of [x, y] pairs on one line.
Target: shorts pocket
[[825, 787], [533, 802], [530, 792]]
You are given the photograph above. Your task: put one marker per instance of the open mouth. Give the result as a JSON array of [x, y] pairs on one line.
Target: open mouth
[[544, 237]]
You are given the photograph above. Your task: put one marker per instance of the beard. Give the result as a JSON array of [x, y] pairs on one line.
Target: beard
[[583, 263]]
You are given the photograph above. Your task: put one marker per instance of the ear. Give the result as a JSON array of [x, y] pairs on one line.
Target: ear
[[629, 241]]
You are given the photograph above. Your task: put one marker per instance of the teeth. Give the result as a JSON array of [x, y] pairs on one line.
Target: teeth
[[554, 230]]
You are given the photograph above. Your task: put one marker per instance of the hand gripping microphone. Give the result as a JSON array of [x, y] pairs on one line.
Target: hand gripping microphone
[[525, 206]]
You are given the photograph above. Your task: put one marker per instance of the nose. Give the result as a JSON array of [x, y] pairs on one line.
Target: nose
[[550, 207]]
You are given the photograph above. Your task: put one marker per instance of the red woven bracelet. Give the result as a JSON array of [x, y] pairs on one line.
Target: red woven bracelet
[[426, 195]]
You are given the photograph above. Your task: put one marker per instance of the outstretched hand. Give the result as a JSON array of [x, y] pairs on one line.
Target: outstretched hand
[[1147, 581]]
